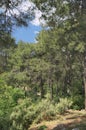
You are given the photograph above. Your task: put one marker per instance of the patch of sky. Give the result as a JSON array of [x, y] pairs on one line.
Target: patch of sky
[[26, 34]]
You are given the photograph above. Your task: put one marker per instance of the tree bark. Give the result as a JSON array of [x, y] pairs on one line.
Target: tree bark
[[41, 86], [85, 75], [51, 87], [83, 18], [83, 5]]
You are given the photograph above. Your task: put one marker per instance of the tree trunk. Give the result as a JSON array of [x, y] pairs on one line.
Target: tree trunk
[[85, 75], [51, 87], [83, 5], [83, 18], [41, 86]]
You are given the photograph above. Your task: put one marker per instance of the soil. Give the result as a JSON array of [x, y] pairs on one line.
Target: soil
[[71, 119]]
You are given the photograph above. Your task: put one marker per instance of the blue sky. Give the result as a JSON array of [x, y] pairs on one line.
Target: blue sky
[[26, 34]]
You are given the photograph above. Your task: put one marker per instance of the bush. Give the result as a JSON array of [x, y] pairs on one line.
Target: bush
[[78, 102], [45, 110], [8, 100], [23, 115], [27, 113], [63, 105]]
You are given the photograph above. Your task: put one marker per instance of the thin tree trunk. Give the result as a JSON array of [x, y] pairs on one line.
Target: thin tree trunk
[[83, 18], [83, 6], [51, 90], [41, 86], [85, 76]]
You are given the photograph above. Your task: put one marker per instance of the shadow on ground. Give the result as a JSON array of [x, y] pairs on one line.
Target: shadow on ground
[[72, 121]]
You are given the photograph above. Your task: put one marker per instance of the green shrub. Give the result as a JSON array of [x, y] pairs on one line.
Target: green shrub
[[46, 111], [23, 115], [63, 105], [8, 100], [78, 102], [27, 113]]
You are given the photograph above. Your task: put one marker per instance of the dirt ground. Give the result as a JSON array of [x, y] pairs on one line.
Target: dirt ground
[[71, 119]]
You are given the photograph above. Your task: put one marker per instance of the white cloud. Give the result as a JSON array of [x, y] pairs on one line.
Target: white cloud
[[27, 5], [38, 20], [21, 8]]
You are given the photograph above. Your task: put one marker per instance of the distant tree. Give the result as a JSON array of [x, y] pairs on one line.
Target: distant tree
[[7, 43], [71, 16]]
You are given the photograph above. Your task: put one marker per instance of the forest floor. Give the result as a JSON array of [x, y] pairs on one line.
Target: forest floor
[[71, 119]]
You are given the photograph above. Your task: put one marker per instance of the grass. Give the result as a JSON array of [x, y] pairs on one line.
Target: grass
[[71, 119]]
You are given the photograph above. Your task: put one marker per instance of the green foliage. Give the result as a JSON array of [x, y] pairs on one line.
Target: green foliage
[[63, 105], [78, 102], [27, 113], [6, 45], [43, 127], [8, 100], [40, 74], [46, 110], [22, 115]]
